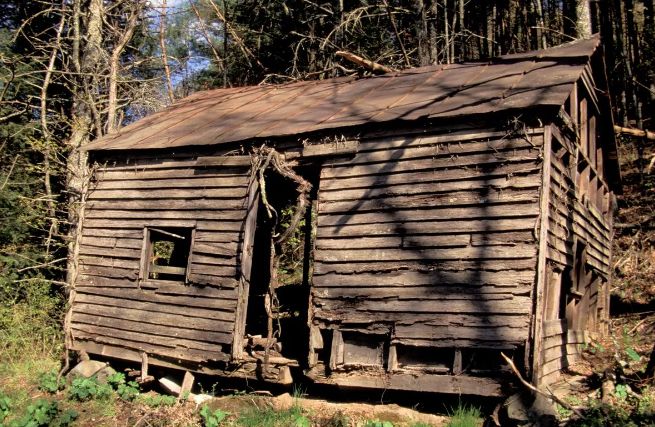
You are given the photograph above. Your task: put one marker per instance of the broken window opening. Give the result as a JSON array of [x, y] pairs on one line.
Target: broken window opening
[[167, 253]]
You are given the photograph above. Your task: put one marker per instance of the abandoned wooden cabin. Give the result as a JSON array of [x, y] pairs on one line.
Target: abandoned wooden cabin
[[447, 214]]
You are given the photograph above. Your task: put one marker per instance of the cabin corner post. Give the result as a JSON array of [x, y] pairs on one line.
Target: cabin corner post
[[73, 263], [541, 279], [243, 288]]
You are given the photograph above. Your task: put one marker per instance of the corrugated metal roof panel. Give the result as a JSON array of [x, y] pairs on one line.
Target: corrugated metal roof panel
[[531, 79]]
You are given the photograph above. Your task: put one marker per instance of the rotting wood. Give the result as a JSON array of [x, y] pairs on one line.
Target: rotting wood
[[329, 149]]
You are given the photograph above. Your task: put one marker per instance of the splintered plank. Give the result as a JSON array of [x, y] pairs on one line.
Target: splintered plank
[[427, 278], [109, 272], [105, 282], [87, 260], [515, 305], [500, 184], [213, 269], [480, 252], [489, 196], [480, 218]]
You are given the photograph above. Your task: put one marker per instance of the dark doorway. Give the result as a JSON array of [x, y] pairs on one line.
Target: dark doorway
[[289, 304]]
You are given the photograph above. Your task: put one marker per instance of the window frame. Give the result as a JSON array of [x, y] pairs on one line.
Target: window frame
[[147, 248]]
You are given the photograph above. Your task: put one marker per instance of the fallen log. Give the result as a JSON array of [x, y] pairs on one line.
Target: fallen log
[[635, 132], [363, 62]]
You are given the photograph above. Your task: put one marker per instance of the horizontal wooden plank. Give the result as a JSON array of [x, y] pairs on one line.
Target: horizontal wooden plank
[[330, 149], [226, 250], [226, 291], [127, 296], [450, 343], [424, 265], [504, 184], [232, 219], [430, 176], [486, 197], [109, 272], [479, 252], [133, 264], [450, 137], [112, 241], [445, 162], [106, 282], [235, 163], [121, 195], [461, 384], [109, 251], [155, 318], [227, 226], [478, 320], [376, 153], [168, 204], [177, 354], [220, 260], [228, 282], [435, 292], [155, 312], [228, 177], [112, 233], [191, 338], [224, 161], [394, 242], [517, 305], [213, 270], [416, 278], [235, 183], [507, 214], [497, 333]]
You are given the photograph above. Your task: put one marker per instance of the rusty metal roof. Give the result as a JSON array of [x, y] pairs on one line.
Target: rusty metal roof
[[531, 79]]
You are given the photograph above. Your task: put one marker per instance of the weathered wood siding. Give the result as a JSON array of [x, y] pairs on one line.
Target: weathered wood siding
[[431, 238], [579, 216], [190, 322]]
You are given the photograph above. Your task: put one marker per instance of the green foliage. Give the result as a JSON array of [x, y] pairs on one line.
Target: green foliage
[[126, 390], [376, 423], [632, 354], [465, 416], [45, 413], [49, 382], [83, 389], [268, 417], [157, 400], [5, 406], [338, 419], [212, 418]]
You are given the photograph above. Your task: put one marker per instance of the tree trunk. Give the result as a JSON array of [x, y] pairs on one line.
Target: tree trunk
[[582, 19]]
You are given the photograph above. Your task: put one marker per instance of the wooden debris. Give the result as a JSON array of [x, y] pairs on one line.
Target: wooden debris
[[639, 133], [363, 62]]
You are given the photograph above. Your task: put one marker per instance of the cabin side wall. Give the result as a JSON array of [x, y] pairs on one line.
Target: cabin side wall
[[119, 310], [577, 275], [425, 255]]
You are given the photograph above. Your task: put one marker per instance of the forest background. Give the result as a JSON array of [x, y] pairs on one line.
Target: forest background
[[74, 70]]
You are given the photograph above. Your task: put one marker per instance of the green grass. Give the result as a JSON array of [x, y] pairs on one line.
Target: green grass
[[268, 417], [465, 416]]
